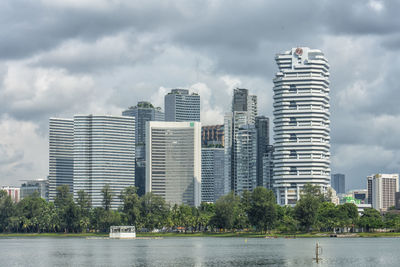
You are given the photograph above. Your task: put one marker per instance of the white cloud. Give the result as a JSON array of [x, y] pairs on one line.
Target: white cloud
[[23, 151]]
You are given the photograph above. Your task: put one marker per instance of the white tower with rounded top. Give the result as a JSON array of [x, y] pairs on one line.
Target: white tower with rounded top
[[301, 123]]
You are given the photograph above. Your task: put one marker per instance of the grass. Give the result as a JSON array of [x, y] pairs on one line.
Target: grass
[[208, 234]]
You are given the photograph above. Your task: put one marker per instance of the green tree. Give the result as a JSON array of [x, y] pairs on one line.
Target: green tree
[[31, 210], [154, 211], [83, 204], [131, 205], [392, 221], [327, 216], [370, 219], [6, 210], [348, 215], [207, 211], [107, 196], [262, 211], [227, 212], [67, 210], [286, 221], [307, 207]]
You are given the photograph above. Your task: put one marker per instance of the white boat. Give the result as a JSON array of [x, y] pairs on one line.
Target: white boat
[[122, 232]]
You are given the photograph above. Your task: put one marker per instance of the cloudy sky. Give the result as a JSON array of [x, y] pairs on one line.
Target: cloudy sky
[[62, 57]]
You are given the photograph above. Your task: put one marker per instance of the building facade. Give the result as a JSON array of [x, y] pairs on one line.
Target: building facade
[[173, 153], [182, 106], [212, 174], [104, 154], [41, 186], [262, 128], [143, 112], [245, 175], [301, 123], [369, 189], [240, 122], [13, 192], [384, 188], [338, 183], [212, 135], [268, 168], [61, 158]]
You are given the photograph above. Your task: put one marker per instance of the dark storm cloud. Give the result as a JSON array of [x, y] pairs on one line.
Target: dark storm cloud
[[29, 27]]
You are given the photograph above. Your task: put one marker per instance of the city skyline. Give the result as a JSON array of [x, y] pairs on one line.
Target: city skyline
[[64, 68]]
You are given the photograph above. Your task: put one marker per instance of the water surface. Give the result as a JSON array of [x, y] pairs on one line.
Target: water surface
[[198, 251]]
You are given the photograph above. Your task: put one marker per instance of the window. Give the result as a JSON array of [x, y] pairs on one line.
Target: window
[[292, 89]]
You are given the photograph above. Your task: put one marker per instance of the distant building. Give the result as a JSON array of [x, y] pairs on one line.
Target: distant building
[[104, 154], [245, 159], [212, 174], [242, 101], [384, 188], [182, 106], [143, 112], [360, 194], [397, 200], [29, 187], [61, 157], [212, 135], [237, 123], [369, 189], [262, 128], [268, 168], [173, 152], [338, 182], [13, 192]]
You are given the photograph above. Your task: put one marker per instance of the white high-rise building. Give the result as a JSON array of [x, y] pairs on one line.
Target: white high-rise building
[[61, 157], [384, 188], [301, 123], [173, 158], [104, 154]]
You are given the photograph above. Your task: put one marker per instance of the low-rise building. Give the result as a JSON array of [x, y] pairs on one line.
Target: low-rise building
[[13, 192], [29, 187]]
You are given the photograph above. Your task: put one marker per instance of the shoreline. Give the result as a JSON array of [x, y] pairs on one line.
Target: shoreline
[[226, 235]]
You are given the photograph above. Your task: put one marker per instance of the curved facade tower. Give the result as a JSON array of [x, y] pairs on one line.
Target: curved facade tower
[[301, 123]]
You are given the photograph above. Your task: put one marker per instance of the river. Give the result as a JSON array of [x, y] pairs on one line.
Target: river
[[198, 251]]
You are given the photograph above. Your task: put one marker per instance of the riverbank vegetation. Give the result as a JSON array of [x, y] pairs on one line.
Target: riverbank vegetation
[[253, 214]]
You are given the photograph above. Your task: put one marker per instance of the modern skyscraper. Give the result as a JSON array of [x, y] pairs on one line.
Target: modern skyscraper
[[339, 183], [212, 135], [61, 158], [242, 101], [268, 168], [212, 174], [262, 127], [173, 152], [384, 188], [237, 123], [143, 112], [301, 123], [104, 154], [245, 159], [182, 106]]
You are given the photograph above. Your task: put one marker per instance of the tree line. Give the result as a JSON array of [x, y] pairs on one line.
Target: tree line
[[252, 211]]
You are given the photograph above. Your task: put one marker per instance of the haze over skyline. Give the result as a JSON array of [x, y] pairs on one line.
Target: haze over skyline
[[61, 57]]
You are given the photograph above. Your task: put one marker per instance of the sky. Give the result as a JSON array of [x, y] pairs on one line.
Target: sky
[[64, 57]]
